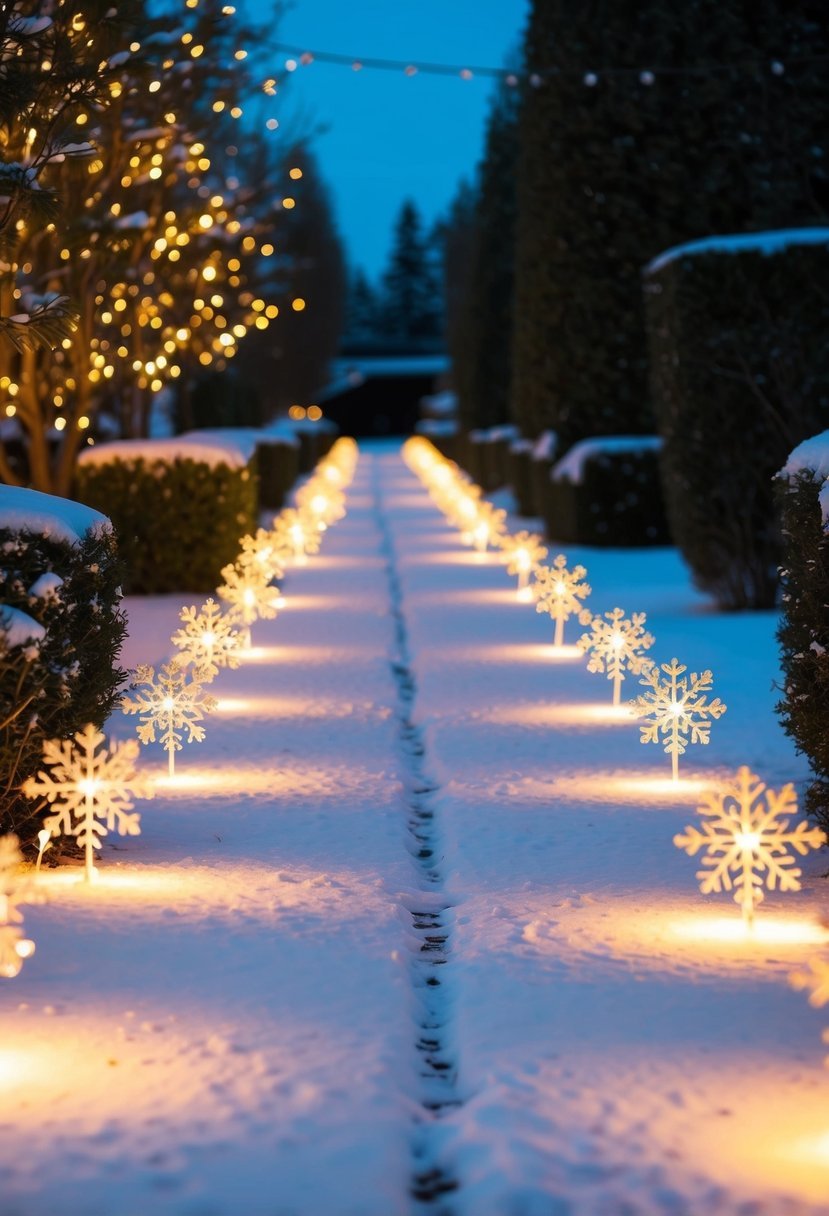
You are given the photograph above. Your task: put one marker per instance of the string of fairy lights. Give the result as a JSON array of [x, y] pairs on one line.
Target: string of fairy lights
[[299, 56]]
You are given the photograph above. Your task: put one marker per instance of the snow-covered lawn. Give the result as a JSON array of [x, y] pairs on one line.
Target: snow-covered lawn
[[227, 1023]]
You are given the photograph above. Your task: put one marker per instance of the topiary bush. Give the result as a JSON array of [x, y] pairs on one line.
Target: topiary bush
[[61, 632], [740, 374], [804, 627], [607, 492], [179, 512]]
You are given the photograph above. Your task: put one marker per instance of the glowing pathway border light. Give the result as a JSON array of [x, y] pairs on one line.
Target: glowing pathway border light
[[815, 981], [15, 889], [523, 552], [677, 708], [262, 553], [249, 594], [296, 533], [745, 840], [209, 639], [489, 526], [170, 704], [615, 643], [557, 591], [92, 787]]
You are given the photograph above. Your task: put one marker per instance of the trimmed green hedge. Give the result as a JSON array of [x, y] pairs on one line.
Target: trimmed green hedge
[[740, 375], [612, 496], [804, 630], [51, 687], [278, 463], [178, 520]]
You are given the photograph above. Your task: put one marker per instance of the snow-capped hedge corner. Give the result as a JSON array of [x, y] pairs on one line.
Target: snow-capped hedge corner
[[178, 507], [740, 374], [61, 631], [803, 495], [607, 491]]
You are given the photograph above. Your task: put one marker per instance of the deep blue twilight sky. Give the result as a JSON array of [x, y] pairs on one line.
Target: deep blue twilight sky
[[389, 137]]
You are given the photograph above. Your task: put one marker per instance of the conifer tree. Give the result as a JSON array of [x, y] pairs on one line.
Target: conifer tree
[[411, 301]]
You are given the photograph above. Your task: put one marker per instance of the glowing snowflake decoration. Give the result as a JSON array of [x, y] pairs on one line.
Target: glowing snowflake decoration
[[209, 639], [15, 889], [249, 593], [557, 591], [489, 526], [262, 553], [678, 708], [296, 533], [322, 503], [91, 787], [745, 841], [523, 551], [171, 704], [615, 643], [815, 981]]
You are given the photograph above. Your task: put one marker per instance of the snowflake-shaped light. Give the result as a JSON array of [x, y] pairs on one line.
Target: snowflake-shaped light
[[746, 841], [15, 889], [171, 704], [815, 981], [615, 643], [262, 552], [209, 639], [91, 787], [296, 533], [523, 551], [322, 502], [557, 591], [489, 526], [677, 708], [249, 593]]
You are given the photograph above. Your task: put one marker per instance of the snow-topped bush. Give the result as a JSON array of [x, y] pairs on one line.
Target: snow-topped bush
[[740, 375], [607, 491], [61, 631], [179, 508], [803, 494]]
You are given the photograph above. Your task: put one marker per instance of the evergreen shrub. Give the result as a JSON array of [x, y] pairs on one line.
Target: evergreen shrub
[[607, 492], [518, 464], [178, 518], [738, 330], [278, 464], [53, 684], [804, 628]]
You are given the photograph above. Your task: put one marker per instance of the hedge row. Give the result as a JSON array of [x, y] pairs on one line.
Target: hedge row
[[804, 627], [61, 631]]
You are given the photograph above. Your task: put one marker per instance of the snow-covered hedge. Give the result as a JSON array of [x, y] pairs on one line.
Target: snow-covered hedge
[[178, 506], [277, 457], [740, 374], [61, 630], [606, 491], [490, 455], [803, 493]]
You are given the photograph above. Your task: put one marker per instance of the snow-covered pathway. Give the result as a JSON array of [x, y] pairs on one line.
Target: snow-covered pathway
[[412, 918], [223, 1024]]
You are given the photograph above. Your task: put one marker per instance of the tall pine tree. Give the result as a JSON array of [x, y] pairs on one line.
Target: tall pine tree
[[410, 313]]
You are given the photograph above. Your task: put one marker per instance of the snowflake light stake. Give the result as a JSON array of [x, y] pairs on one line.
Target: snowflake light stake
[[815, 981], [557, 591], [262, 553], [91, 788], [615, 643], [249, 594], [297, 533], [489, 526], [746, 842], [678, 708], [210, 638], [15, 889], [170, 704], [44, 842], [524, 551]]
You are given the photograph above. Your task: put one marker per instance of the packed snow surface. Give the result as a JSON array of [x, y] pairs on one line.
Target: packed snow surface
[[226, 1023], [24, 510], [767, 243]]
